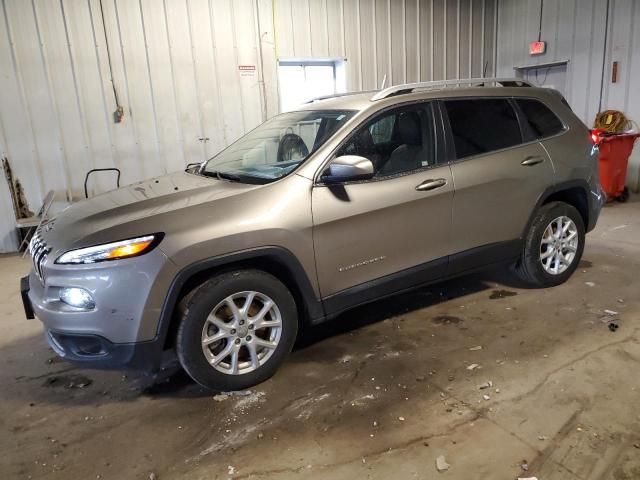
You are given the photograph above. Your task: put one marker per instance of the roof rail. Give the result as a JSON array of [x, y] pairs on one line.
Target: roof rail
[[477, 82], [336, 95]]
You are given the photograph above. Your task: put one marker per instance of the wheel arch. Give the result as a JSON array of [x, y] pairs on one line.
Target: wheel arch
[[277, 261], [574, 193]]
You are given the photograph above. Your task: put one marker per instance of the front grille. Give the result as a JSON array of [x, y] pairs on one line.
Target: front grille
[[39, 251]]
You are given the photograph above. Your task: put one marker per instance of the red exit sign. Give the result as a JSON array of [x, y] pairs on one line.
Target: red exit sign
[[537, 48]]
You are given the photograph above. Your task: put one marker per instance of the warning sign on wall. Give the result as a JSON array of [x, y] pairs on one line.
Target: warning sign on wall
[[247, 70]]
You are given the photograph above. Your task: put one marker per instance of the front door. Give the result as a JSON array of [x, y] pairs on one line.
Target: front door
[[396, 223], [498, 179]]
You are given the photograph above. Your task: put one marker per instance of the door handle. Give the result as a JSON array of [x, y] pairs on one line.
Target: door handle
[[532, 160], [431, 184]]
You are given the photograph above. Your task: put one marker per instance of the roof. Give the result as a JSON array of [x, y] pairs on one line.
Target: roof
[[415, 91]]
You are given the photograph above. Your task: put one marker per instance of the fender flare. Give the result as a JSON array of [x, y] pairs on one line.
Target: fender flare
[[312, 306], [559, 187]]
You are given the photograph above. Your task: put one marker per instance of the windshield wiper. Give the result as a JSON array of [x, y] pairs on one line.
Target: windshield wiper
[[222, 175]]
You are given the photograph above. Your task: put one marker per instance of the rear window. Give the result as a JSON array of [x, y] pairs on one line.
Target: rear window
[[482, 125], [540, 118]]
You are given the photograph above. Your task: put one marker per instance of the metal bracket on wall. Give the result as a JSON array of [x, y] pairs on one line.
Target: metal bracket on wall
[[86, 178], [555, 63]]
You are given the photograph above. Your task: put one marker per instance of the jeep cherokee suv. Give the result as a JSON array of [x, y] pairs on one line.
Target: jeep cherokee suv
[[346, 200]]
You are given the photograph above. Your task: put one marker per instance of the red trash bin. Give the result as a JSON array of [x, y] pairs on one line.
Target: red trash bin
[[612, 165]]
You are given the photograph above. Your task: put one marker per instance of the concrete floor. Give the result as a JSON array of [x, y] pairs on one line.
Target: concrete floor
[[380, 393]]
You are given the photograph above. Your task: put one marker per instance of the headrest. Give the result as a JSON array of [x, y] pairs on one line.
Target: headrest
[[409, 129]]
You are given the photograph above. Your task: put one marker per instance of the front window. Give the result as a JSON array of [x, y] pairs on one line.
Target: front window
[[276, 147]]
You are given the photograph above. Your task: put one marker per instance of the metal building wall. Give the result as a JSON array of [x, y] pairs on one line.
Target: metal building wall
[[575, 31], [174, 65], [406, 40]]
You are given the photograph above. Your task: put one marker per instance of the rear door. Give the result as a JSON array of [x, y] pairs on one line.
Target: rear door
[[498, 177]]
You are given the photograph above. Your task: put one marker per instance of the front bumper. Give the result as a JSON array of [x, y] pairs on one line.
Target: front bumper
[[93, 351], [122, 330]]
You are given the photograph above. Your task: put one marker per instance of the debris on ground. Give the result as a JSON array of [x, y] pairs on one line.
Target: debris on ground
[[542, 438], [486, 385], [613, 326], [590, 284], [401, 419], [527, 478], [524, 465], [441, 464], [486, 397], [346, 359], [221, 397], [473, 366], [501, 294], [152, 476], [249, 398], [231, 470], [613, 313], [477, 347]]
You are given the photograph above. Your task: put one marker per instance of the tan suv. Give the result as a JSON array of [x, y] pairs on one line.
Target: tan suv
[[347, 200]]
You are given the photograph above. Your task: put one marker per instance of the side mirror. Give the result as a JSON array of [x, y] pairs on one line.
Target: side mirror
[[348, 168]]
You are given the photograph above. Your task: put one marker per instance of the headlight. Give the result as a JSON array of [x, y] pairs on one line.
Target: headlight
[[111, 251]]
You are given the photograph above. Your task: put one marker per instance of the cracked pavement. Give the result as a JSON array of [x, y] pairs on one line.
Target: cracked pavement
[[379, 393]]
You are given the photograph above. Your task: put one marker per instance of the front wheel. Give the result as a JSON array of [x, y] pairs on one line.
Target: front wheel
[[236, 330], [553, 245]]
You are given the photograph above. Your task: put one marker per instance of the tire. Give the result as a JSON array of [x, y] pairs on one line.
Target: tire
[[236, 330], [530, 267]]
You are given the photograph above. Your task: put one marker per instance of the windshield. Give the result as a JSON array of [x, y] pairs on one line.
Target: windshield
[[276, 147]]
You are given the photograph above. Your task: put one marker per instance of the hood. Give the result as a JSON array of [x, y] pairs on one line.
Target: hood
[[135, 202]]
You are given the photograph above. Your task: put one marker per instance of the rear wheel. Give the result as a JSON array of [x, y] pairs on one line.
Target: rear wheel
[[236, 329], [553, 246]]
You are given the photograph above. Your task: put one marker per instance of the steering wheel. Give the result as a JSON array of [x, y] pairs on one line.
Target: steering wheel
[[291, 147]]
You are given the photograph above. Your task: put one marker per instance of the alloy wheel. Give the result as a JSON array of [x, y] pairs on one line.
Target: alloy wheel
[[559, 245], [241, 332]]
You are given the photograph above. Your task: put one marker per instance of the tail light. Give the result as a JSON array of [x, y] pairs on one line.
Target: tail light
[[595, 136]]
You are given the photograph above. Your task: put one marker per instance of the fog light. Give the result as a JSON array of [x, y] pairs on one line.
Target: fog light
[[77, 297]]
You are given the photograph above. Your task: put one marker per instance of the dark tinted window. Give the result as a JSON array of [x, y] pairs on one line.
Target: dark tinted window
[[541, 119], [396, 141], [482, 125]]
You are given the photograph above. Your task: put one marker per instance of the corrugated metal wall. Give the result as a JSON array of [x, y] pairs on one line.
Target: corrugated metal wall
[[575, 31], [174, 66], [406, 40]]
